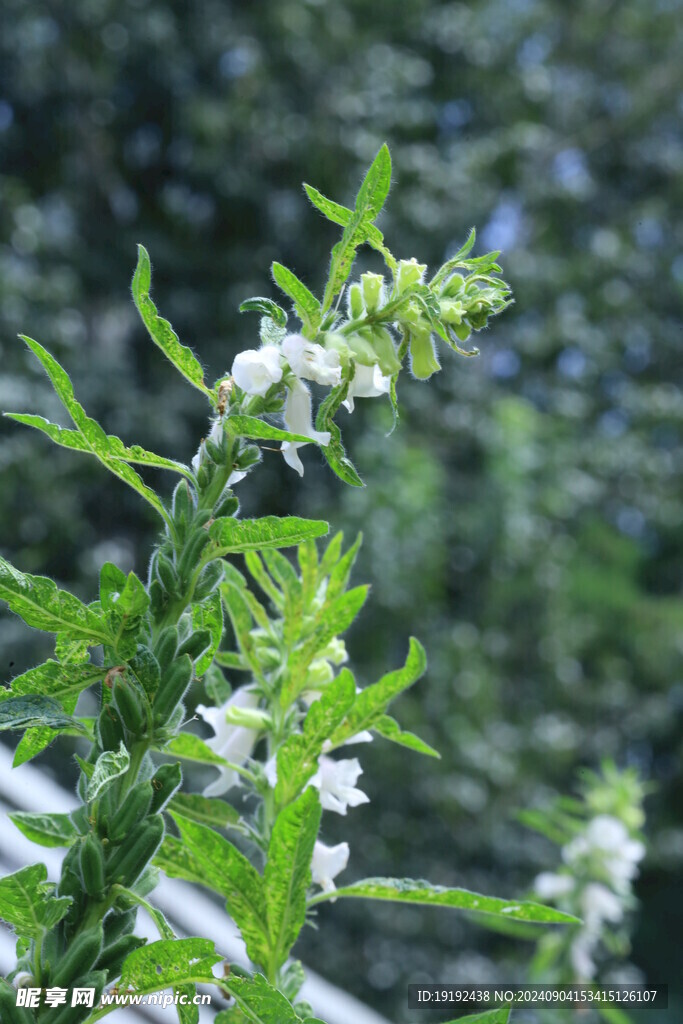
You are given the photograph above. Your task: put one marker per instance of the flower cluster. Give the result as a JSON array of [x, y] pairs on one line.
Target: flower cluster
[[600, 862]]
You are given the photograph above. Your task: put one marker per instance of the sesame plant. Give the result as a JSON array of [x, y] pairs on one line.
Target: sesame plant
[[222, 604]]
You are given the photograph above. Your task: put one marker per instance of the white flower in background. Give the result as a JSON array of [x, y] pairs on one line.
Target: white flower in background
[[327, 863], [549, 886], [581, 954], [233, 742], [599, 904], [336, 781], [256, 370], [312, 361], [368, 382], [299, 420], [607, 840]]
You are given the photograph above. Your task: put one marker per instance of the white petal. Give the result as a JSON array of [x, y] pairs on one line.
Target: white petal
[[327, 863]]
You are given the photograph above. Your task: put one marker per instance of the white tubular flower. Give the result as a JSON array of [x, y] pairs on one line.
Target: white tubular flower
[[368, 382], [327, 863], [581, 954], [336, 780], [256, 370], [598, 904], [233, 742], [299, 420], [312, 361]]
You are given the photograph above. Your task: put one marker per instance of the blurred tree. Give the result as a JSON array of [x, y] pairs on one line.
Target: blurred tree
[[535, 543]]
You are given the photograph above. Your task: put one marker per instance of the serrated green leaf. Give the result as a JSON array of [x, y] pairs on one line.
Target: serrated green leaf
[[233, 595], [52, 679], [160, 330], [32, 743], [40, 603], [389, 729], [297, 758], [376, 184], [74, 440], [334, 452], [91, 431], [307, 306], [259, 1002], [168, 963], [32, 711], [409, 890], [27, 903], [266, 307], [191, 748], [366, 230], [71, 651], [46, 829], [340, 573], [110, 765], [287, 875], [452, 264], [208, 615], [222, 868], [256, 429], [237, 535], [258, 571], [207, 811], [371, 703]]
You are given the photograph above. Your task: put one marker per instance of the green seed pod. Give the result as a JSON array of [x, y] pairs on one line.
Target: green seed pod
[[92, 866], [50, 952], [146, 670], [166, 647], [112, 956], [192, 552], [216, 452], [109, 728], [209, 579], [166, 781], [10, 1013], [75, 1014], [119, 923], [174, 683], [371, 286], [129, 860], [423, 361], [167, 575], [196, 644], [157, 596], [182, 503], [79, 957], [130, 707], [135, 808], [228, 506], [204, 475]]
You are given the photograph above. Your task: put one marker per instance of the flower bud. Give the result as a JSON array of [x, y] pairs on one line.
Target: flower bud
[[423, 361], [453, 286], [371, 285], [252, 718], [361, 347], [335, 342], [383, 345], [356, 308], [409, 272], [451, 312]]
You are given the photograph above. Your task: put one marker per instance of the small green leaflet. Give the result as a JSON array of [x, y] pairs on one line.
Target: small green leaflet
[[220, 866], [297, 758], [74, 440], [498, 1016], [91, 431], [408, 890], [109, 766], [27, 902], [307, 306], [169, 963], [287, 875], [256, 429], [236, 535], [391, 730], [371, 703], [205, 810], [33, 711], [160, 330], [208, 615], [334, 452], [341, 215], [267, 308], [192, 748], [124, 615], [40, 603], [46, 829], [375, 186], [259, 1001]]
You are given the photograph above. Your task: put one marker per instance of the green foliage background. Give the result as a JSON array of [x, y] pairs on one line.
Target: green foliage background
[[524, 520]]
